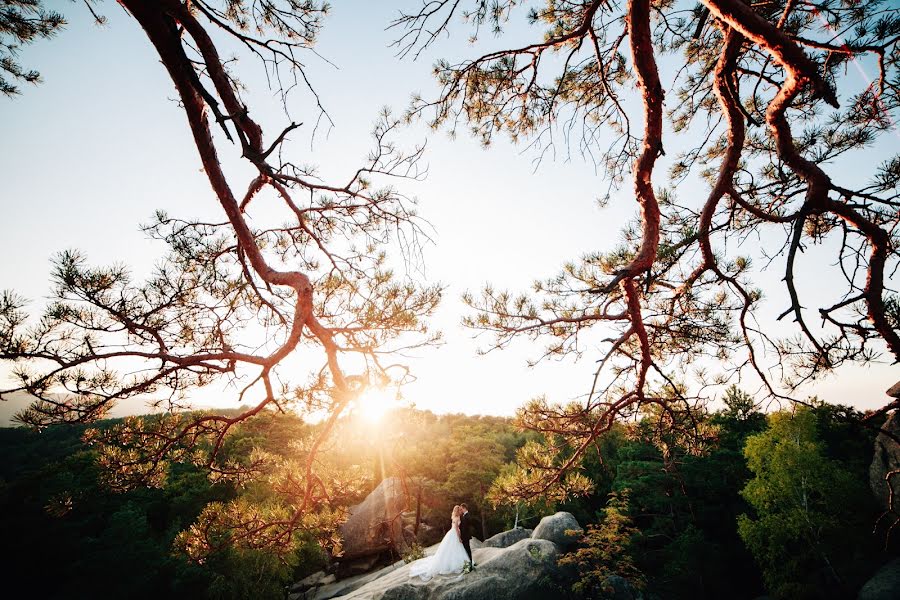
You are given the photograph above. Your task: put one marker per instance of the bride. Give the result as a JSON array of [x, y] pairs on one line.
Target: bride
[[450, 557]]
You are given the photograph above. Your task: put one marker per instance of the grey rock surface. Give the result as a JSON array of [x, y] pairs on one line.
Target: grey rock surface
[[884, 585], [556, 528], [512, 565], [375, 524], [308, 582], [427, 535], [886, 458], [510, 573], [505, 539]]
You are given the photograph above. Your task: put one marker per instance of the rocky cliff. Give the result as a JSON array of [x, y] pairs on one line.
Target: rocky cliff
[[515, 566]]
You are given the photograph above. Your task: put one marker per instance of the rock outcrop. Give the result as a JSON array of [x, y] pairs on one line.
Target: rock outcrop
[[513, 565], [884, 585], [375, 524], [886, 458], [506, 539], [514, 573], [334, 589], [562, 529], [386, 521]]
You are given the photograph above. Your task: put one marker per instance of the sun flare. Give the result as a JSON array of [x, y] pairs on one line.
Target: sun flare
[[375, 402]]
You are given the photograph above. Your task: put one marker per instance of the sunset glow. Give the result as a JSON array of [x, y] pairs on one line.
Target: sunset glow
[[303, 301], [375, 402]]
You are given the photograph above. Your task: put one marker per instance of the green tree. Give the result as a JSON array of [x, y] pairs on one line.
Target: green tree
[[257, 574], [803, 509], [606, 549], [473, 461], [119, 545], [739, 419], [450, 459], [684, 501]]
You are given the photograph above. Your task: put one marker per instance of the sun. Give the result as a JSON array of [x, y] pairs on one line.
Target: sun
[[373, 403]]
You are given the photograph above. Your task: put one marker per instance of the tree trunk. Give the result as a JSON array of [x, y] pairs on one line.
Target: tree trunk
[[483, 524], [378, 470], [418, 510]]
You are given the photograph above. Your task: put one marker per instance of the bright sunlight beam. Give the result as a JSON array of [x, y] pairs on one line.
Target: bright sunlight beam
[[373, 403]]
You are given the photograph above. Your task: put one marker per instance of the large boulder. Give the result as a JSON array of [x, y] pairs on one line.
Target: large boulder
[[358, 566], [562, 529], [886, 459], [376, 524], [506, 570], [310, 581], [506, 539], [884, 585], [348, 585], [386, 520], [515, 573], [427, 534], [342, 587], [525, 570]]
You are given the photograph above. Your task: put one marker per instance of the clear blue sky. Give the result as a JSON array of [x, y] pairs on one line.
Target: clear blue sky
[[95, 149]]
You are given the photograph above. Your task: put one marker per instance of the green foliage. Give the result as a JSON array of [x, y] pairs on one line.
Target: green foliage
[[414, 553], [666, 521], [514, 511], [55, 507], [452, 458], [474, 460], [682, 473], [807, 529], [22, 22], [667, 498], [606, 549], [892, 304], [136, 543], [240, 574], [739, 419], [546, 464]]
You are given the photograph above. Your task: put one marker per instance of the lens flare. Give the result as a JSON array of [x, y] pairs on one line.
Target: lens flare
[[373, 403]]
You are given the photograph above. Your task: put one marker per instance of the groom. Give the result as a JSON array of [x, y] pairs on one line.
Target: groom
[[465, 532]]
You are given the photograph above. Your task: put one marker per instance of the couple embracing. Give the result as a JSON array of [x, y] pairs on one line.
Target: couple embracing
[[455, 551]]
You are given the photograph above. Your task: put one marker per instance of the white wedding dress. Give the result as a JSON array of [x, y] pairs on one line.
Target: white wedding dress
[[449, 559]]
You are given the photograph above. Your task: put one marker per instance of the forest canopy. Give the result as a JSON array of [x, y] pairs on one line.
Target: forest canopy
[[677, 523]]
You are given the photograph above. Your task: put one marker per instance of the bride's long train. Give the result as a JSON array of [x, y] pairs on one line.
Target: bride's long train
[[450, 559]]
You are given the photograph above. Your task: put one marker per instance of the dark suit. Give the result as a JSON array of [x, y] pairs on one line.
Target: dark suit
[[465, 533]]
